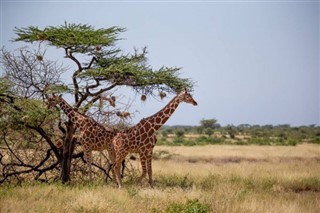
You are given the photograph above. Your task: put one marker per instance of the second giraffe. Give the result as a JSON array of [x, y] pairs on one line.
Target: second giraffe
[[141, 138]]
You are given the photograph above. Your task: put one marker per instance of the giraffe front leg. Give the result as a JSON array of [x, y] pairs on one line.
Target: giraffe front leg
[[144, 168]]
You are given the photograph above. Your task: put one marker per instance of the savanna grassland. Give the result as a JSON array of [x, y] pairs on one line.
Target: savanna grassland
[[210, 178]]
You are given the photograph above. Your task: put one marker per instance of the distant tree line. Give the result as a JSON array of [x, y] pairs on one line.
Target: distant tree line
[[209, 131]]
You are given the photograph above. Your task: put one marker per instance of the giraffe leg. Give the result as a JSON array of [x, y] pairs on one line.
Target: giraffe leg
[[123, 164], [149, 165], [143, 160], [114, 175], [113, 170], [87, 157], [116, 172], [111, 166], [117, 166]]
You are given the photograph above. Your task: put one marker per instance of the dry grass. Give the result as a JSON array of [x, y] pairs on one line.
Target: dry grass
[[225, 178], [295, 161]]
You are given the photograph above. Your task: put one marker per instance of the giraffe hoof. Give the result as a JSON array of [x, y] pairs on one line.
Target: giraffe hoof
[[151, 184]]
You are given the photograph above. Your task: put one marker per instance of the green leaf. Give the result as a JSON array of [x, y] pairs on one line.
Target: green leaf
[[5, 86], [58, 88]]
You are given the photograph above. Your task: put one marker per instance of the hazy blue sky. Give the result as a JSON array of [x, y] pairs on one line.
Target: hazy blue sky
[[254, 62]]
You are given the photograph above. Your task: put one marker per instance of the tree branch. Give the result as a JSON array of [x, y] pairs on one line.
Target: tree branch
[[48, 140], [35, 168], [103, 90], [75, 74], [91, 62]]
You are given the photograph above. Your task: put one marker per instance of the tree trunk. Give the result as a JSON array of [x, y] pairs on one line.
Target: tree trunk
[[68, 149]]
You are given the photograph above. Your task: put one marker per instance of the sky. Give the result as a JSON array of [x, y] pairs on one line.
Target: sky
[[254, 62]]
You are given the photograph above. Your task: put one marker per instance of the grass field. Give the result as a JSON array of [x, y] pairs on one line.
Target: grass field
[[213, 178]]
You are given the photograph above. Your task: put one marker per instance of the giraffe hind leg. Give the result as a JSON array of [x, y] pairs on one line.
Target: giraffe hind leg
[[116, 172], [87, 158], [108, 172], [117, 167]]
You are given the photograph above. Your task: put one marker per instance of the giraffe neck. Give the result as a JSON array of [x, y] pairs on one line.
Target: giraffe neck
[[70, 112], [160, 118]]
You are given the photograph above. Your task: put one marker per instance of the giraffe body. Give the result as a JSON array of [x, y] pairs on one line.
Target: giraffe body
[[141, 138], [93, 136]]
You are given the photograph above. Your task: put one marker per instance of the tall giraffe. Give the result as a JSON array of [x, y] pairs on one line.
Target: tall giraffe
[[141, 138], [93, 136]]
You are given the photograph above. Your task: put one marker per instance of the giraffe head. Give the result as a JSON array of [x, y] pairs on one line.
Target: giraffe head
[[53, 101], [186, 97]]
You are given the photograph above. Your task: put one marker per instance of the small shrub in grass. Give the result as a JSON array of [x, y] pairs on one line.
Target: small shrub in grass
[[292, 142], [174, 208], [162, 141], [191, 206], [260, 141], [316, 140], [178, 141], [202, 139], [132, 191], [180, 133], [208, 183], [190, 143], [304, 184], [209, 140], [267, 184], [240, 142], [183, 182]]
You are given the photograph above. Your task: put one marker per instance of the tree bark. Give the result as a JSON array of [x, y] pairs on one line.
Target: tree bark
[[68, 149]]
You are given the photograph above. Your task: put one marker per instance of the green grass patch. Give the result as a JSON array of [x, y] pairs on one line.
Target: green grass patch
[[181, 181], [190, 206]]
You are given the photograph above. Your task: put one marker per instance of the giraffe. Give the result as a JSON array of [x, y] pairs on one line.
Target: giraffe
[[141, 138], [93, 136]]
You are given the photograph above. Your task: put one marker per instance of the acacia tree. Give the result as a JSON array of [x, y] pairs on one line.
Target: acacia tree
[[100, 68]]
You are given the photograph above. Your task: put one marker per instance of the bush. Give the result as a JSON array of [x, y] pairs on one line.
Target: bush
[[260, 141], [292, 142], [179, 133], [304, 184], [183, 182], [210, 182], [191, 206], [209, 140], [208, 131], [316, 141], [178, 140]]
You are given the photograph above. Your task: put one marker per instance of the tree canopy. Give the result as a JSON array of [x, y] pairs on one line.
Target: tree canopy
[[209, 123], [109, 66]]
